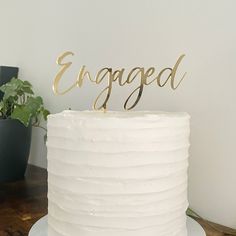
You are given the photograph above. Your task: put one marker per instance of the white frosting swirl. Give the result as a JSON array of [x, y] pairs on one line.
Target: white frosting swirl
[[117, 173]]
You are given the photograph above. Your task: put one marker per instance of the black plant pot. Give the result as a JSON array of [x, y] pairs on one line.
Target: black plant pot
[[15, 141]]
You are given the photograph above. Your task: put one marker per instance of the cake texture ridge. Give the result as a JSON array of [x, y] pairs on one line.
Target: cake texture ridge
[[117, 173]]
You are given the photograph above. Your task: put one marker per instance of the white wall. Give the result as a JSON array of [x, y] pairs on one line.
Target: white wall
[[127, 33]]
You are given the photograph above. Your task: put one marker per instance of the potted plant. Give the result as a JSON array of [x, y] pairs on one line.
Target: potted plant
[[20, 109]]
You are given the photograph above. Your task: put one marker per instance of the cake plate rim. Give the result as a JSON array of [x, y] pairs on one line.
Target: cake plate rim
[[40, 227]]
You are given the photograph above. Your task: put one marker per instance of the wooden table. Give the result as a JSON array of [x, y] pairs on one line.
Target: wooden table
[[23, 202]]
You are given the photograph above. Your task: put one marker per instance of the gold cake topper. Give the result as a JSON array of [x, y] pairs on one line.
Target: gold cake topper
[[117, 75]]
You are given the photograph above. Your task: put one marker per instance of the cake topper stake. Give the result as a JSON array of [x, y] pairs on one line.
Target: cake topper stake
[[118, 75]]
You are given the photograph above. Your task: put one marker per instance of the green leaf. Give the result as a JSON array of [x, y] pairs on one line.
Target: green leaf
[[27, 90], [34, 104], [45, 114], [2, 109], [1, 105], [22, 114], [27, 84], [9, 84], [8, 92], [20, 92], [16, 83], [27, 87], [2, 88], [20, 103]]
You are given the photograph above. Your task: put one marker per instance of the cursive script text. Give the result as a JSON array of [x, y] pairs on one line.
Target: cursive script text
[[109, 76]]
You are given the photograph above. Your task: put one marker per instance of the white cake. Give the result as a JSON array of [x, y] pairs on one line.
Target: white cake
[[117, 173]]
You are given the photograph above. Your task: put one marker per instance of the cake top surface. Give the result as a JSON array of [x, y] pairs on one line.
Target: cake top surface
[[121, 114]]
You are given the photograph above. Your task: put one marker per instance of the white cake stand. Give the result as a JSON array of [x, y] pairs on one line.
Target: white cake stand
[[40, 228]]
